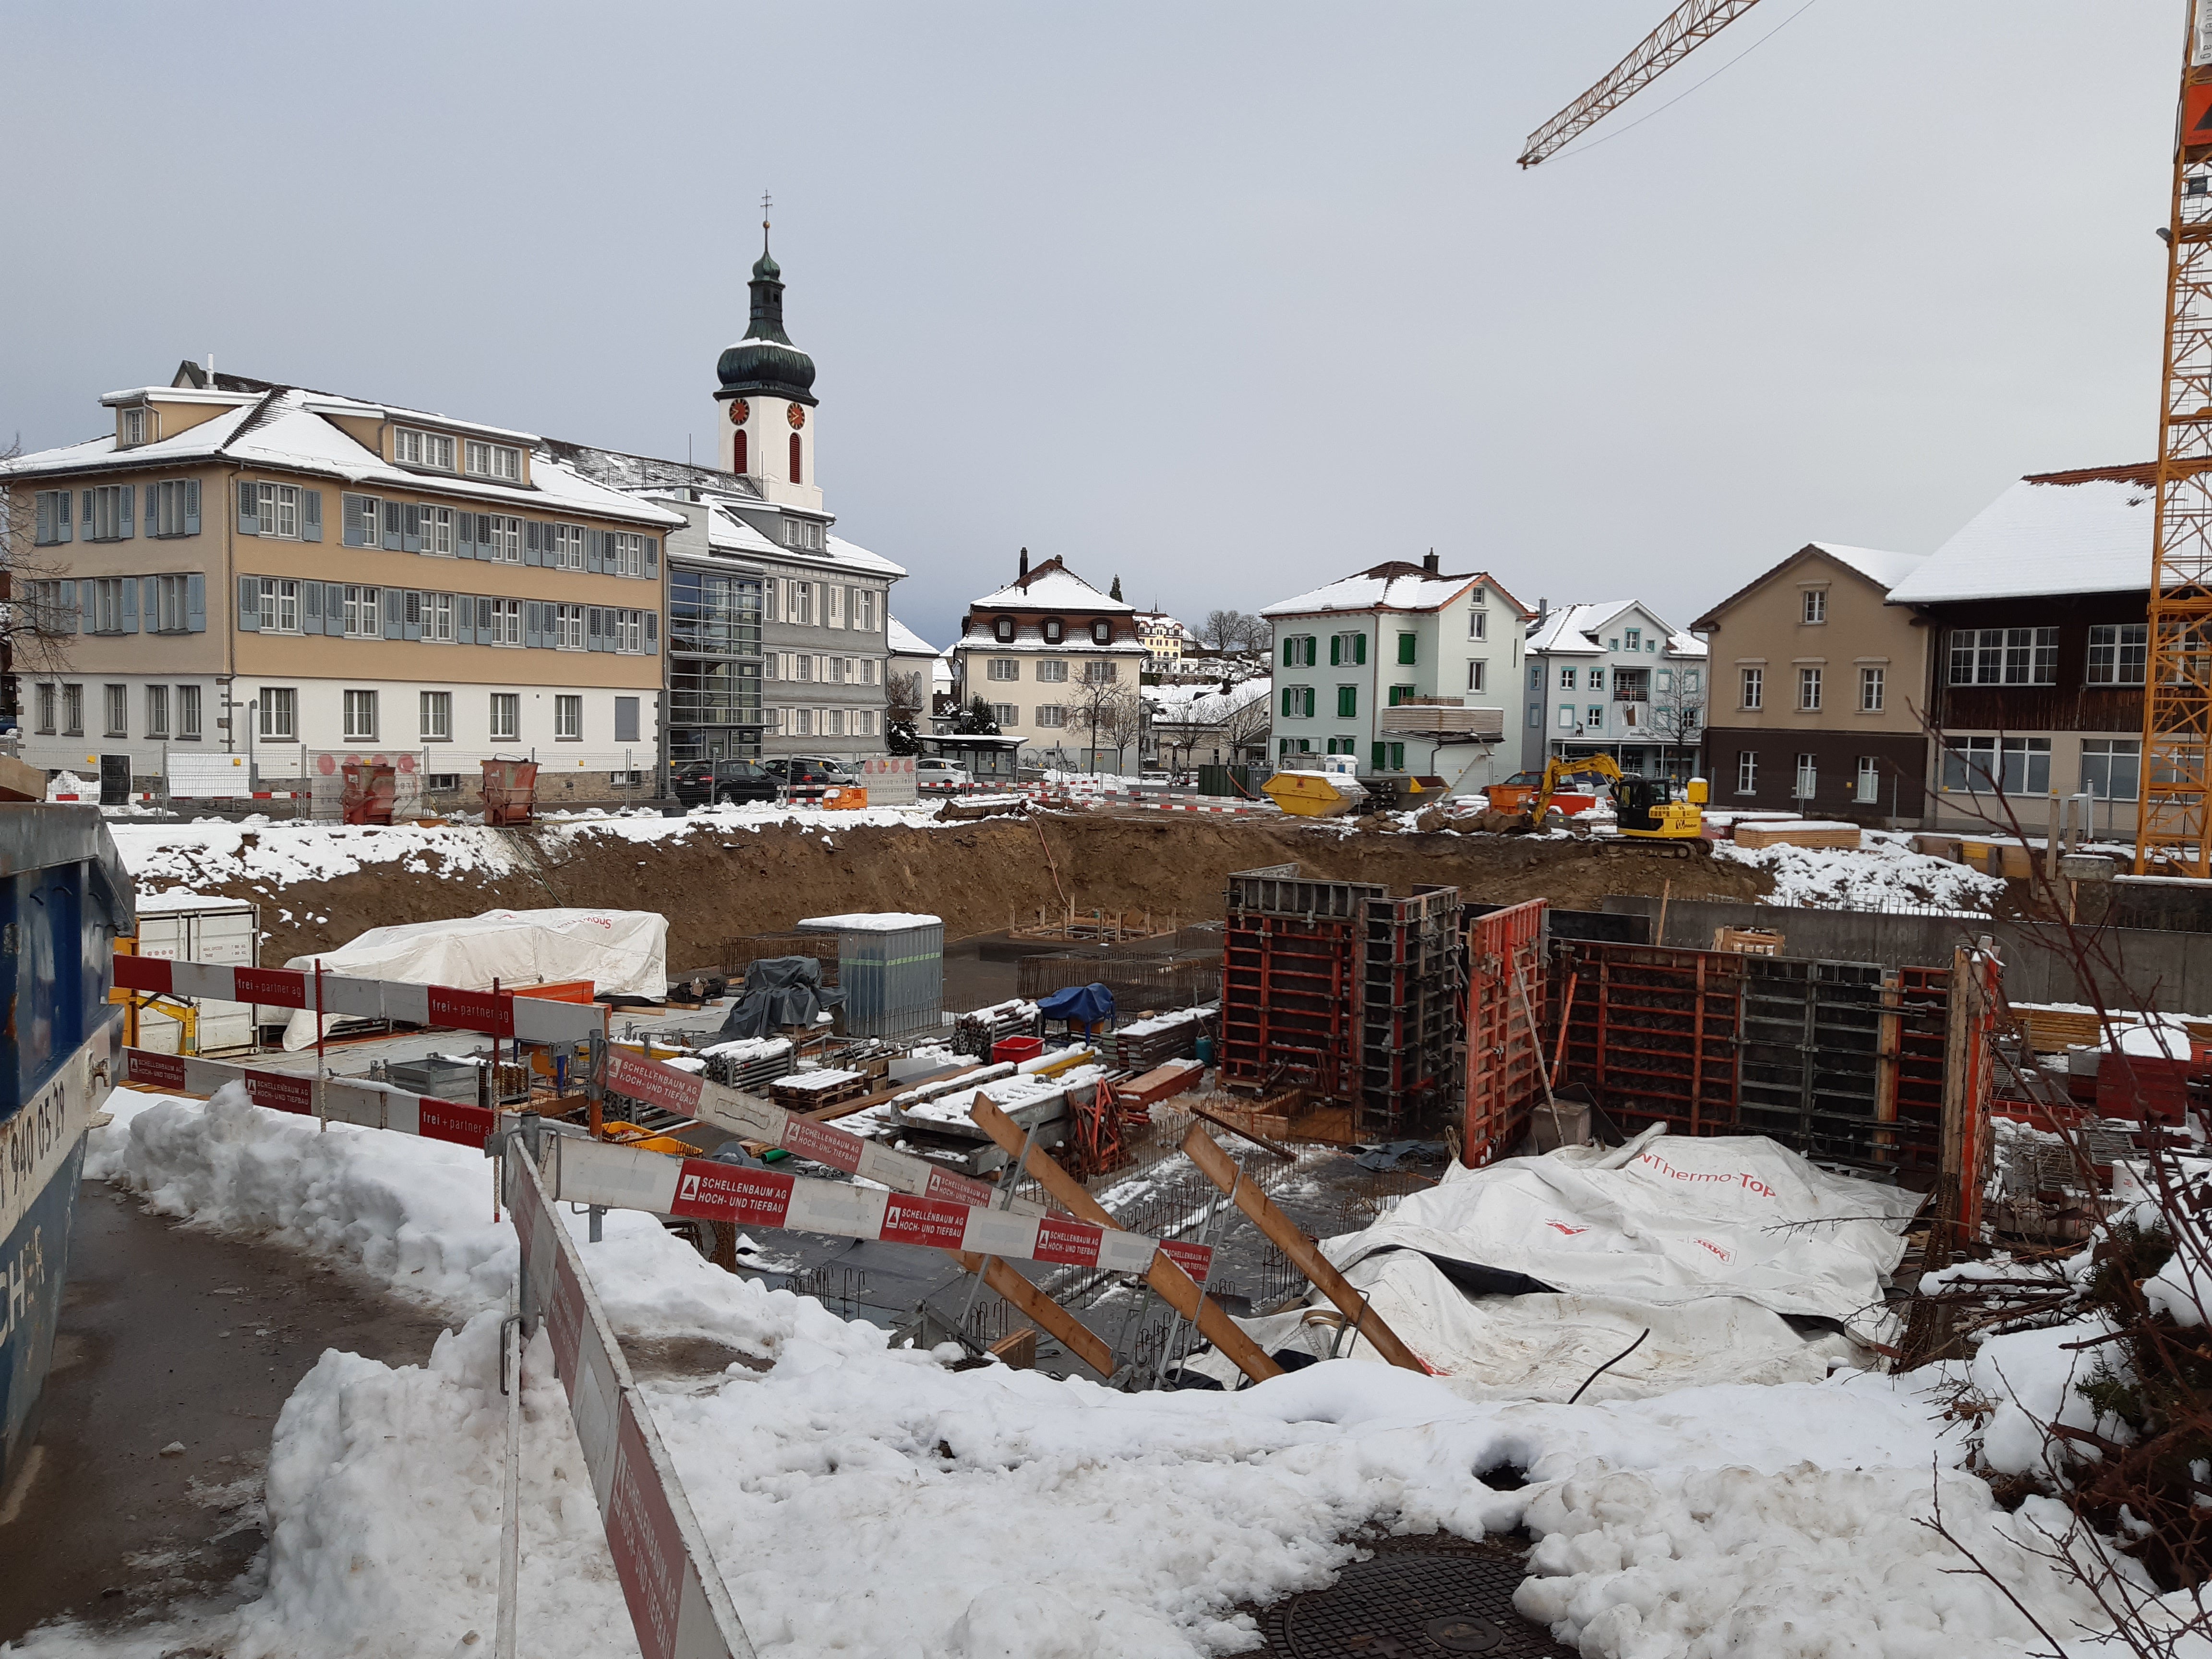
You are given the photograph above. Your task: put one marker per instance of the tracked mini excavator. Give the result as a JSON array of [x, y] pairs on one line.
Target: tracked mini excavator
[[1645, 809]]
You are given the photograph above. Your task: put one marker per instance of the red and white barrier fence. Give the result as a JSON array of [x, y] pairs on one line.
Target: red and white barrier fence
[[748, 1115], [500, 1013], [678, 1601], [616, 1177], [345, 1100]]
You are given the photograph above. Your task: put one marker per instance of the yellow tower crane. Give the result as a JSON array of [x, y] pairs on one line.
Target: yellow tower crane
[[2174, 828]]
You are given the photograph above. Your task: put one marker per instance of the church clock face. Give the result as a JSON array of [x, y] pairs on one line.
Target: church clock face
[[796, 415], [740, 412]]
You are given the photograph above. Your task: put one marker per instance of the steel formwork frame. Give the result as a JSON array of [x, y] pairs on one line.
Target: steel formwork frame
[[1410, 977], [1506, 982], [2176, 819], [1652, 1032]]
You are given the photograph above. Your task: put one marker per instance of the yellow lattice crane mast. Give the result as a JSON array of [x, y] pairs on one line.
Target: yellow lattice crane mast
[[2176, 827]]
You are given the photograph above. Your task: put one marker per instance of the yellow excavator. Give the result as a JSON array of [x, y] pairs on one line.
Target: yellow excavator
[[1645, 809]]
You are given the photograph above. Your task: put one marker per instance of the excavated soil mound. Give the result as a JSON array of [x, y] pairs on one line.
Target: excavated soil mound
[[716, 887]]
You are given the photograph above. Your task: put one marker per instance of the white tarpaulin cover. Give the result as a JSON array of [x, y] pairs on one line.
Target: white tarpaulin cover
[[621, 952], [1715, 1245]]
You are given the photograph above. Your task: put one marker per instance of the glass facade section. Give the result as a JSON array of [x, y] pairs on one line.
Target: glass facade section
[[714, 666]]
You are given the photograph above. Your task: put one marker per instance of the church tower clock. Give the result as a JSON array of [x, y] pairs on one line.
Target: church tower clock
[[766, 399]]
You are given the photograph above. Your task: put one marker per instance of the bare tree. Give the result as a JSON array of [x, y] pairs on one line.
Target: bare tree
[[905, 704], [1227, 630], [1105, 708], [1677, 714], [1259, 636], [38, 625], [1246, 727]]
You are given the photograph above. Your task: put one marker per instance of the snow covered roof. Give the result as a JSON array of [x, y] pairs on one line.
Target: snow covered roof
[[1203, 703], [1030, 637], [1884, 570], [905, 642], [2053, 532], [1573, 629], [1395, 586], [278, 430], [1052, 586], [727, 532], [853, 555]]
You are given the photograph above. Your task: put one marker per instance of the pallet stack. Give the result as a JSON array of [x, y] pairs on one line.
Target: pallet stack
[[1149, 1042]]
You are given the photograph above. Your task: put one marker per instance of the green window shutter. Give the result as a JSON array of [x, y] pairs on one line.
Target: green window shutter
[[1379, 752], [1397, 757], [1335, 645], [1359, 647], [1290, 647], [1405, 647], [1348, 701]]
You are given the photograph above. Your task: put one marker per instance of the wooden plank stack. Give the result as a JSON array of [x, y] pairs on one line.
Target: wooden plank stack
[[1797, 833]]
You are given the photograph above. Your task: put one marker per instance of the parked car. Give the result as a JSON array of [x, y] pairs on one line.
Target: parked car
[[723, 782], [932, 768], [808, 770]]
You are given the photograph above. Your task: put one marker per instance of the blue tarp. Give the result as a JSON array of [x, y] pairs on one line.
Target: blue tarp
[[1090, 1005]]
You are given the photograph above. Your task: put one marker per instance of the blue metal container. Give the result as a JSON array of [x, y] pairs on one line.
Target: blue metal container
[[64, 897]]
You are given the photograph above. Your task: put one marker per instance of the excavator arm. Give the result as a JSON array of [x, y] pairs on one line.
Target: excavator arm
[[1557, 771]]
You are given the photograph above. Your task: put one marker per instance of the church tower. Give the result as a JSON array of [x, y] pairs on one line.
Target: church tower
[[767, 399]]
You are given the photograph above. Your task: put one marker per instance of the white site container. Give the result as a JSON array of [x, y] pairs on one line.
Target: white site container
[[187, 928]]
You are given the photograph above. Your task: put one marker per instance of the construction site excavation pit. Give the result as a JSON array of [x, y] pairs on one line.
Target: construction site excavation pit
[[721, 877]]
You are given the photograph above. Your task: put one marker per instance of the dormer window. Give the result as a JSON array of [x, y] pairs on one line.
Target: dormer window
[[432, 449], [802, 533], [1003, 631], [1054, 630], [501, 462], [1102, 631], [133, 426]]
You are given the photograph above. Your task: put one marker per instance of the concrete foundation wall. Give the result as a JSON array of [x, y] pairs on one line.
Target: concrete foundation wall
[[2169, 972]]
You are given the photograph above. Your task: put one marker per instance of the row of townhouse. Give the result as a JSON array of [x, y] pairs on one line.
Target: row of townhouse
[[1882, 686], [260, 570]]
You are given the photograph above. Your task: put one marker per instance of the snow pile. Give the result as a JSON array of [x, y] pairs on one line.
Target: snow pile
[[1884, 871], [862, 1500]]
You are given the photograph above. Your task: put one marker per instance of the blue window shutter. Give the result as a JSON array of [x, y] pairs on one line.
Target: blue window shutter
[[46, 532], [87, 515], [391, 527], [411, 529], [195, 603], [529, 634], [464, 617], [413, 630], [652, 633], [129, 596], [395, 614], [595, 548], [249, 509], [150, 603], [465, 535], [653, 556], [310, 607], [249, 606], [62, 499], [310, 516], [591, 629], [124, 496], [531, 554], [191, 488], [71, 620]]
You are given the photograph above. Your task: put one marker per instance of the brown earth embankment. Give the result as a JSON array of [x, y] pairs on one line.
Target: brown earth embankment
[[715, 886]]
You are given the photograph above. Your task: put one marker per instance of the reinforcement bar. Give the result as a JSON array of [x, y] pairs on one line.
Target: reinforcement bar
[[499, 1013]]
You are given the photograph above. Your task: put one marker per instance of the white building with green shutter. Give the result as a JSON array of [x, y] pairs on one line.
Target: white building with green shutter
[[1401, 637]]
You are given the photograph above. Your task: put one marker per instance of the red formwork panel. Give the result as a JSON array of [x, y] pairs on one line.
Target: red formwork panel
[[1651, 1032], [1505, 982], [1289, 1004]]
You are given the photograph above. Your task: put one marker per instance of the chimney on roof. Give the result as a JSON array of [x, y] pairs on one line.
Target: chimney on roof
[[210, 368], [1024, 574], [1429, 564]]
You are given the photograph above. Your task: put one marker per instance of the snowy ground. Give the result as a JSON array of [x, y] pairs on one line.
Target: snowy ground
[[1885, 871], [863, 1501], [275, 852]]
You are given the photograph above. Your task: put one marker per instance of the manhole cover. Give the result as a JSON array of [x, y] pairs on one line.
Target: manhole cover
[[1412, 1604]]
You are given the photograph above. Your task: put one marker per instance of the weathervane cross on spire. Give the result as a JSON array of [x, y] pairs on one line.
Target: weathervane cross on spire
[[765, 204]]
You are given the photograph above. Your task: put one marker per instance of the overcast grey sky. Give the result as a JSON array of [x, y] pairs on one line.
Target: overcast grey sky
[[1227, 299]]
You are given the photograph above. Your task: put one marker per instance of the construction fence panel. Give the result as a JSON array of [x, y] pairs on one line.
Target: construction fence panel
[[1506, 983], [678, 1604], [327, 780]]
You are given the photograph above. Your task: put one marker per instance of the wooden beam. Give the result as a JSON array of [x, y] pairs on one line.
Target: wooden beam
[[1173, 1284], [1261, 1141], [1221, 1169], [1085, 1345]]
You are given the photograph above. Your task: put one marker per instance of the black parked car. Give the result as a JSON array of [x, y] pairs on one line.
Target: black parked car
[[723, 782], [810, 771]]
